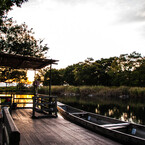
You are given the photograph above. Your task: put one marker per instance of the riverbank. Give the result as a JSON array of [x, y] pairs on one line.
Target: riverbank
[[122, 92]]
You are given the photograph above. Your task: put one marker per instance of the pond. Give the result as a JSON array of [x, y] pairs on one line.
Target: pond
[[130, 110]]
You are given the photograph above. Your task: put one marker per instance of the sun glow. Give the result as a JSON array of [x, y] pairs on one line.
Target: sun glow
[[30, 75]]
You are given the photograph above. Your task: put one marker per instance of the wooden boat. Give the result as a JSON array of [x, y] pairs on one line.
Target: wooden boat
[[123, 132]]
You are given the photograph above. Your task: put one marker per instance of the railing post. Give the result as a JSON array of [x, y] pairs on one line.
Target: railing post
[[11, 105], [50, 80], [13, 98], [34, 107], [56, 106]]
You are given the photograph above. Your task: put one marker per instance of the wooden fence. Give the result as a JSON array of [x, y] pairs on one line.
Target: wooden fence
[[41, 103], [17, 101], [12, 102], [45, 104]]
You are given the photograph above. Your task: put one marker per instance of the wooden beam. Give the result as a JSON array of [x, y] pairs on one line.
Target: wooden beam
[[11, 134]]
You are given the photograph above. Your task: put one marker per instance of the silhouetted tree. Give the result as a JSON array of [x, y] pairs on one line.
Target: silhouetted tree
[[6, 5], [18, 39], [56, 78]]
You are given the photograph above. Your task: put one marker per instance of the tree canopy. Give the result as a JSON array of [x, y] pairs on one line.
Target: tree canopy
[[6, 5], [18, 39], [127, 70]]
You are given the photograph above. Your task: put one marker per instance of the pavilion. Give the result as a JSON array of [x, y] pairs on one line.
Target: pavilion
[[33, 63], [23, 62]]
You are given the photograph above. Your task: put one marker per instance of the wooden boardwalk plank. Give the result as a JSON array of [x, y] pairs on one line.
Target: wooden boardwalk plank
[[54, 131]]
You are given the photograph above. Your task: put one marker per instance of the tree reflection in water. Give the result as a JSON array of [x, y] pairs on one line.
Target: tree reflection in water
[[130, 110]]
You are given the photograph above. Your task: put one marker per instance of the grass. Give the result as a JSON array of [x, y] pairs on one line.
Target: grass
[[87, 91], [96, 91]]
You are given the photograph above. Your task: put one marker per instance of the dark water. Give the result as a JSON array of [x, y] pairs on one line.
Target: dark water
[[130, 110]]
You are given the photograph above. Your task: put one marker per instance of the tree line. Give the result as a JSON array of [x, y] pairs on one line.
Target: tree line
[[126, 70]]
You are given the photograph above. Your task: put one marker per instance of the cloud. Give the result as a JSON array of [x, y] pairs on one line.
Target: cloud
[[75, 2], [71, 1], [126, 10], [131, 11]]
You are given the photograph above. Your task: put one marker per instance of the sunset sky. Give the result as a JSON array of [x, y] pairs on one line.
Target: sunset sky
[[77, 29]]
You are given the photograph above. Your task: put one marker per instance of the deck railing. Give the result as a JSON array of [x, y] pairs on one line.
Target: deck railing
[[10, 133], [19, 101], [41, 103], [45, 104]]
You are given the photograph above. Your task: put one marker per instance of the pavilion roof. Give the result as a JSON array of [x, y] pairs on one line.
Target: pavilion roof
[[23, 62]]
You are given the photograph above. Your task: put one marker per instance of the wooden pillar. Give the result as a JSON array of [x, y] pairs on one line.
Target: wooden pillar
[[34, 106], [34, 99], [35, 87], [50, 80], [50, 99]]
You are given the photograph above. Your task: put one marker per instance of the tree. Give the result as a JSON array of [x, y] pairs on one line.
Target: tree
[[8, 74], [85, 73], [129, 63], [18, 39], [6, 5], [68, 75], [127, 70], [56, 78], [138, 76]]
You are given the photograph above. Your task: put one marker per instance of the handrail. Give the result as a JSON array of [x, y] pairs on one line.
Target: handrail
[[21, 98], [10, 132], [13, 101], [45, 104], [45, 96], [16, 101]]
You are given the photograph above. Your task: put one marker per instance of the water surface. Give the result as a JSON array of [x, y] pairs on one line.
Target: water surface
[[130, 110]]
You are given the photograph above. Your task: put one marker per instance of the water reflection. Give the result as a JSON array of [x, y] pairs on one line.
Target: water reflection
[[128, 110]]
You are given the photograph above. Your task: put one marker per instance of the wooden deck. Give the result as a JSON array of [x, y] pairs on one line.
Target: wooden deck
[[54, 131]]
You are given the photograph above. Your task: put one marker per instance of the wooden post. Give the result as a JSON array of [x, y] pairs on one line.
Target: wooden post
[[50, 99], [50, 80], [55, 106], [11, 104], [13, 98], [34, 105], [35, 87]]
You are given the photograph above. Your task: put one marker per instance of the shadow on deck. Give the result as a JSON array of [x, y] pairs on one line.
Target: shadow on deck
[[54, 131]]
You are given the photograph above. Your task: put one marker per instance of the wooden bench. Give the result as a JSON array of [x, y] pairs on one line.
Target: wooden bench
[[10, 133]]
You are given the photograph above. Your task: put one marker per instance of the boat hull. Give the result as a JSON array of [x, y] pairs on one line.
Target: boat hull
[[115, 129]]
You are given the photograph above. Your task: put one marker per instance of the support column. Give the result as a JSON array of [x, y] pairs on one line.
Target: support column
[[50, 99], [50, 80]]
